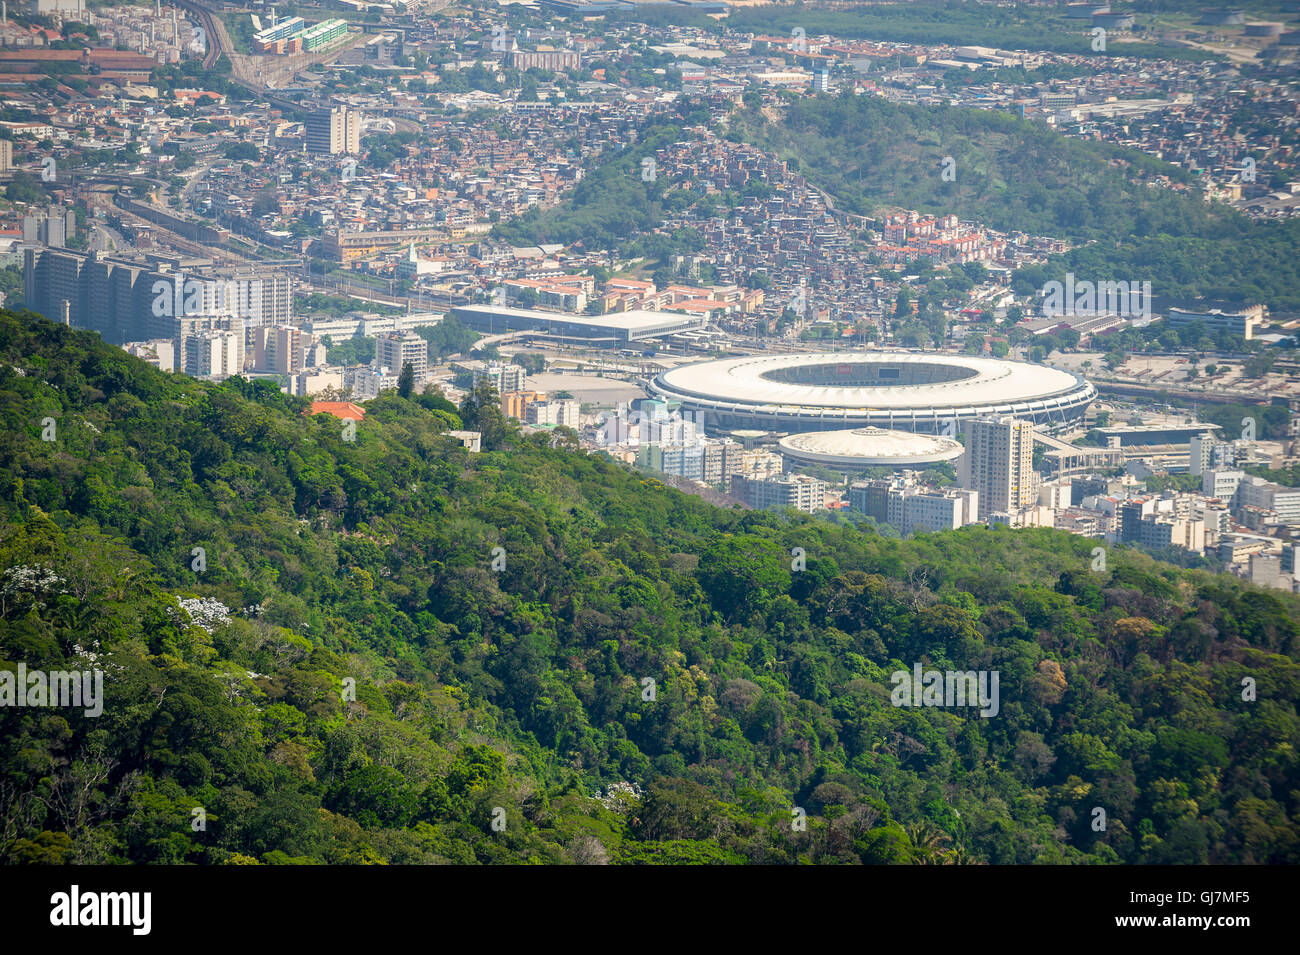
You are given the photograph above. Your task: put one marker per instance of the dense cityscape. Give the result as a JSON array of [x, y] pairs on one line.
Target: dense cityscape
[[800, 323]]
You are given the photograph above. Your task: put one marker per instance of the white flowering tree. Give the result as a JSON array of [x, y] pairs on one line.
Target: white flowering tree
[[28, 586]]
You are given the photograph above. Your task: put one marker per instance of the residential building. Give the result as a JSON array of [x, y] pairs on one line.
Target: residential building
[[135, 298], [395, 350], [798, 491], [999, 463], [504, 378], [514, 404], [1257, 492], [683, 460], [1221, 484], [1200, 449], [552, 413], [281, 348]]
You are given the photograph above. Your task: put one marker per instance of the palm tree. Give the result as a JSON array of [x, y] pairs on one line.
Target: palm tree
[[928, 843]]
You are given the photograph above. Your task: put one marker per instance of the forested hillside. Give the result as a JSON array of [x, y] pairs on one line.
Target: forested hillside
[[1013, 175], [523, 688]]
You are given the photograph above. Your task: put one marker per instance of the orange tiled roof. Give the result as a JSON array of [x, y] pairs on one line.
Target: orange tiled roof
[[343, 410]]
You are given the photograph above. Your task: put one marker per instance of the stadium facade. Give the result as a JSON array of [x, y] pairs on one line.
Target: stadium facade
[[923, 393]]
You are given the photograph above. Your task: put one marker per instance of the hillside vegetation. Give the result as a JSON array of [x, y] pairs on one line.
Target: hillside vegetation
[[515, 694], [1015, 175]]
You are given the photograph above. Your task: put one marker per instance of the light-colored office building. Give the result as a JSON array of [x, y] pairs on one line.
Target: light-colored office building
[[1242, 323], [334, 131]]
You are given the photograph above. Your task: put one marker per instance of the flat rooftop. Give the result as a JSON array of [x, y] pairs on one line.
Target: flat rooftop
[[638, 320]]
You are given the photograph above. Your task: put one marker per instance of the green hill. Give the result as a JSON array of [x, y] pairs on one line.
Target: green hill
[[1013, 175], [230, 732]]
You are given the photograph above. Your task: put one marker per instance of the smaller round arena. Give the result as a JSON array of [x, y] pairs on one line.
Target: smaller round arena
[[859, 448]]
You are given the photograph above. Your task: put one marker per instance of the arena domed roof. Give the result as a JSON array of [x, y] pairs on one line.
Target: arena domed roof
[[868, 447]]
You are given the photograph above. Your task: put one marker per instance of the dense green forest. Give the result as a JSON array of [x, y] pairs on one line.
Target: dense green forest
[[524, 688], [1014, 175]]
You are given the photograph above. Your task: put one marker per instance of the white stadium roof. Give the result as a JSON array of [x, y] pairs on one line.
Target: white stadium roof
[[633, 320], [989, 381], [869, 447], [843, 390]]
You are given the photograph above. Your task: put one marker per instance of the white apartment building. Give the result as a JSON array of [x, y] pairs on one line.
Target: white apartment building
[[799, 491], [502, 376], [1221, 484], [553, 413], [394, 350], [1257, 492], [999, 463], [214, 354]]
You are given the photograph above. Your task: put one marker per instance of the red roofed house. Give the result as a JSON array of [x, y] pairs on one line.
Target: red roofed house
[[343, 410]]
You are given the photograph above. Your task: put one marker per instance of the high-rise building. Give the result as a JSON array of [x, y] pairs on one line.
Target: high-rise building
[[214, 353], [908, 506], [1257, 492], [395, 350], [281, 348], [514, 404], [722, 459], [1132, 514], [683, 460], [6, 155], [127, 299], [1198, 453], [333, 131], [999, 463], [49, 229]]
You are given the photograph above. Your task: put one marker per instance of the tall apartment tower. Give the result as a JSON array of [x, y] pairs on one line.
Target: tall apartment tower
[[394, 350], [333, 131], [281, 348], [999, 463], [1200, 449]]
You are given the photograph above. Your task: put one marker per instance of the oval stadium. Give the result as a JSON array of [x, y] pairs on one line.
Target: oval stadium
[[891, 390]]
